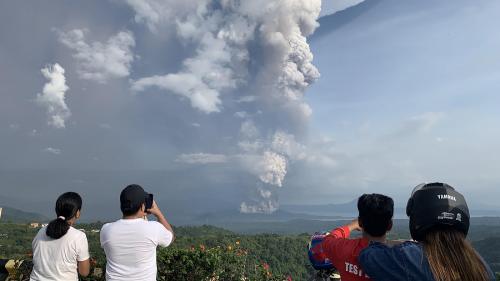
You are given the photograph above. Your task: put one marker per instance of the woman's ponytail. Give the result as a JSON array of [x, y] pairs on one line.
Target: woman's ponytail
[[57, 228], [67, 205]]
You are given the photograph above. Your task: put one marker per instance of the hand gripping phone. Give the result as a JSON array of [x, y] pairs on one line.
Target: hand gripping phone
[[149, 202]]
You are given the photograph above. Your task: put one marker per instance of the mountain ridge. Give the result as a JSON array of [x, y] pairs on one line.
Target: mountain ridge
[[10, 214]]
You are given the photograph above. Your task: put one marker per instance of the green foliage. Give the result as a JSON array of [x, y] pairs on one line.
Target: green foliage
[[286, 255], [195, 264], [211, 253], [225, 264], [15, 241], [199, 253], [200, 264]]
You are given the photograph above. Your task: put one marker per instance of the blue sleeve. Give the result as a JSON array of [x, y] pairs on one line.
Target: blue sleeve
[[404, 262], [383, 263]]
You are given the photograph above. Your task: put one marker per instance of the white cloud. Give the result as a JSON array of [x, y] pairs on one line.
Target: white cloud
[[208, 73], [146, 12], [186, 85], [155, 13], [247, 99], [53, 95], [241, 114], [52, 150], [224, 38], [203, 78], [202, 158], [100, 61]]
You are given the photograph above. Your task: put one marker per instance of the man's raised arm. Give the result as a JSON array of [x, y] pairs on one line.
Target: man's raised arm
[[155, 210]]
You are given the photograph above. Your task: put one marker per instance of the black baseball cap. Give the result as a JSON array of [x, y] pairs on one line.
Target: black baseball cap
[[132, 197]]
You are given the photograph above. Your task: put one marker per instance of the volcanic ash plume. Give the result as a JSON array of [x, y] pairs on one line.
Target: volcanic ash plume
[[270, 166], [271, 170], [268, 203], [250, 56]]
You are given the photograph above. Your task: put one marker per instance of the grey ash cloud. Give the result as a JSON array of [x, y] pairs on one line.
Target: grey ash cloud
[[219, 104], [171, 85]]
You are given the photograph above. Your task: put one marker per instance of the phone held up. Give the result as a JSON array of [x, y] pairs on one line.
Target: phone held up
[[149, 202]]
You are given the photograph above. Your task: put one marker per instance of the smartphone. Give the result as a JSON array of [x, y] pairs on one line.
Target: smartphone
[[149, 201]]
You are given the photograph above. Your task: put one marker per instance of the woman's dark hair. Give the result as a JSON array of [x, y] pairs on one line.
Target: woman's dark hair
[[67, 205], [451, 257], [375, 213]]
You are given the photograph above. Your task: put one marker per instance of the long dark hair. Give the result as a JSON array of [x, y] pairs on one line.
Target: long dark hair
[[67, 205], [451, 257]]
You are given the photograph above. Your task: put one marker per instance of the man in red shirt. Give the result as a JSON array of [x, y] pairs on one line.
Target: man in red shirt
[[374, 220]]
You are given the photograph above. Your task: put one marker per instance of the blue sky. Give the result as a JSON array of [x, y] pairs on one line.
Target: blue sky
[[414, 92], [219, 106]]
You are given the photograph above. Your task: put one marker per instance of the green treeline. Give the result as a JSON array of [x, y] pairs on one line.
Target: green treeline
[[210, 253], [198, 253]]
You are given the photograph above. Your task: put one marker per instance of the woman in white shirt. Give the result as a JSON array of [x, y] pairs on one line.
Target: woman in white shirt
[[61, 252]]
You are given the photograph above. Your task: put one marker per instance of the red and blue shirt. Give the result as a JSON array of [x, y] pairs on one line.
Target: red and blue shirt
[[343, 253]]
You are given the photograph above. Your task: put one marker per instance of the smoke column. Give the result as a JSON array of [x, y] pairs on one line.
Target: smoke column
[[251, 57]]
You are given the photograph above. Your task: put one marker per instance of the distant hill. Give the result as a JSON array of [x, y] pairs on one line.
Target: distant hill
[[16, 215], [349, 210], [236, 216], [345, 210], [202, 231], [481, 228]]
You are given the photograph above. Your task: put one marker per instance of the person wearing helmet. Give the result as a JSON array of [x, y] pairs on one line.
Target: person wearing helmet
[[439, 223], [375, 220], [319, 259]]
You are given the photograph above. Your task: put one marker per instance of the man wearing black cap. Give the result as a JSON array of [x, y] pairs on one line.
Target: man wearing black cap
[[130, 243]]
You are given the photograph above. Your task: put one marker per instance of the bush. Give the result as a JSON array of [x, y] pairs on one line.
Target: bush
[[221, 254], [229, 263]]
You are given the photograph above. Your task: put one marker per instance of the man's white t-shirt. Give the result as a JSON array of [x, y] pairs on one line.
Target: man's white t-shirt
[[130, 247], [57, 259]]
